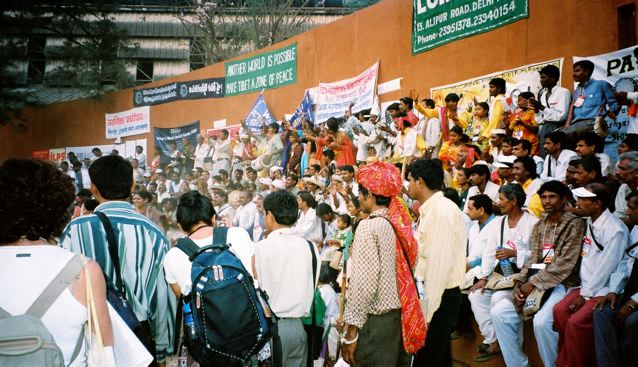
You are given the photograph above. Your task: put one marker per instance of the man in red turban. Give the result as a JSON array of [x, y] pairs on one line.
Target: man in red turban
[[385, 323]]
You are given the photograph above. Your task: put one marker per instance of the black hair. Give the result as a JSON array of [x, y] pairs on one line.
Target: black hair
[[112, 175], [452, 195], [430, 171], [556, 187], [529, 165], [482, 201], [479, 169], [90, 204], [592, 139], [526, 95], [557, 137], [193, 208], [452, 97], [602, 193], [429, 103], [329, 153], [35, 196], [458, 130], [327, 275], [498, 83], [527, 145], [485, 106], [394, 107], [514, 191], [240, 170], [316, 167], [333, 124], [591, 164], [283, 206], [323, 209], [378, 199], [512, 141], [355, 202], [347, 168], [96, 149], [223, 194], [407, 101], [631, 141], [587, 65], [144, 195], [550, 70], [346, 219], [223, 172], [307, 198], [85, 193], [633, 194]]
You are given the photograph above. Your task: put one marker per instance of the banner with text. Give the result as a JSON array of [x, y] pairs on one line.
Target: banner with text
[[57, 154], [132, 122], [193, 89], [435, 23], [333, 99], [521, 79], [264, 71], [164, 136], [620, 69]]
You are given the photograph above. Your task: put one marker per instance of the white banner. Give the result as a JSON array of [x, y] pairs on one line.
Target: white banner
[[333, 99], [126, 149], [620, 69], [132, 122]]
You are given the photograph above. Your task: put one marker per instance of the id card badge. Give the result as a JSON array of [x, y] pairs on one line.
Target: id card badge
[[586, 247], [548, 253], [579, 101], [518, 134]]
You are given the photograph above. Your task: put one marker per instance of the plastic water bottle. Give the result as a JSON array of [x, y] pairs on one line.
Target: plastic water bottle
[[188, 320], [506, 265]]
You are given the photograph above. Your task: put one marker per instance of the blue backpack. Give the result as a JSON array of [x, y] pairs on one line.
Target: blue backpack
[[227, 321]]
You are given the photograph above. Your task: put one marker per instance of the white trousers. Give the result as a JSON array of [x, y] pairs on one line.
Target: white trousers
[[481, 306]]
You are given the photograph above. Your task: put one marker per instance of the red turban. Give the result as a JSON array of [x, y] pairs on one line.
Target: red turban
[[384, 179]]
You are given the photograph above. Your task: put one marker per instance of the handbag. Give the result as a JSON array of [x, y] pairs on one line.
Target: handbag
[[97, 354], [116, 295]]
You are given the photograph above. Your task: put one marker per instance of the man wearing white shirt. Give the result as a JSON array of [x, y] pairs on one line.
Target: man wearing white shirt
[[283, 267], [504, 234], [221, 156], [222, 208], [308, 225], [361, 134], [587, 145], [616, 324], [351, 186], [480, 210], [140, 156], [201, 151], [246, 213], [603, 246], [627, 173], [552, 104], [479, 176], [557, 158]]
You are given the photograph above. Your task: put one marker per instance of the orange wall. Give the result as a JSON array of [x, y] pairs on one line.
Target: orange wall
[[341, 50]]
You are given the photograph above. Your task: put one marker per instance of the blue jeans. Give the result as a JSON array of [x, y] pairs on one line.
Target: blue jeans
[[615, 346]]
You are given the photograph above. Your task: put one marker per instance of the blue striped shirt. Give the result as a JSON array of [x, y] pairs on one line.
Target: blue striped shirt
[[142, 247]]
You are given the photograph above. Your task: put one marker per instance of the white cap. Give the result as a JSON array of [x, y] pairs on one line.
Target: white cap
[[279, 184], [336, 178], [582, 192], [275, 169], [313, 180], [159, 170], [505, 161], [265, 181], [498, 132]]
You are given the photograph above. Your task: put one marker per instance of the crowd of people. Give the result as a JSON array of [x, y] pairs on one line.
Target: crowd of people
[[420, 216]]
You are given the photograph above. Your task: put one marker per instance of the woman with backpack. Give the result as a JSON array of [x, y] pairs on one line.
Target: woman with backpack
[[43, 292]]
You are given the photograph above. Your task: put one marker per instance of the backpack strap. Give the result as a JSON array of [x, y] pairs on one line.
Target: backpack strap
[[593, 236], [189, 247], [113, 250], [220, 234], [55, 287]]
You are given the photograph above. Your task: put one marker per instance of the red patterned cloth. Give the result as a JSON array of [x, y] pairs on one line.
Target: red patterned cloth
[[384, 179]]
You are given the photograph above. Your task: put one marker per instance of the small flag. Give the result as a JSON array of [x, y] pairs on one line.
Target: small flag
[[258, 115], [304, 107]]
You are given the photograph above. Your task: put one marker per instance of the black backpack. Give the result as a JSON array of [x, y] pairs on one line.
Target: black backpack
[[227, 321]]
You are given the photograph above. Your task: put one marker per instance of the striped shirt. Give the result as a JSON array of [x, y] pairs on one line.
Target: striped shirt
[[142, 247]]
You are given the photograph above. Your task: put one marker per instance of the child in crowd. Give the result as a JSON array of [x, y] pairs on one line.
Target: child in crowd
[[327, 280], [477, 125], [523, 124]]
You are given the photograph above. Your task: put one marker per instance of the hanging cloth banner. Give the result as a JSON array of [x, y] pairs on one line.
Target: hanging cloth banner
[[333, 99]]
